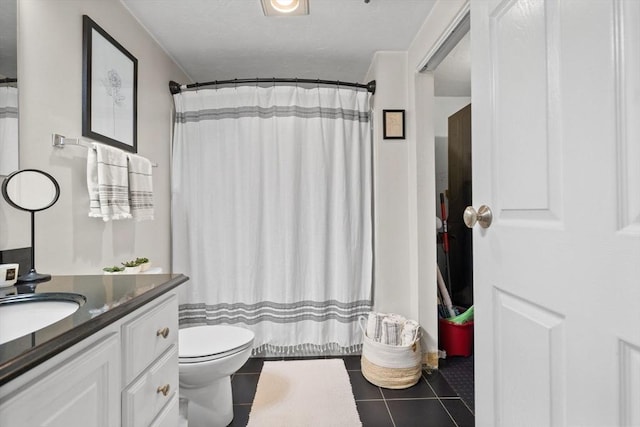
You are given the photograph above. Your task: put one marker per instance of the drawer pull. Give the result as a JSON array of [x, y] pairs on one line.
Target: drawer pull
[[164, 332], [163, 389]]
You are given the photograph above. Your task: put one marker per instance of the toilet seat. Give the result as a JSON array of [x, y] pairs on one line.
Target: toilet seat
[[210, 342]]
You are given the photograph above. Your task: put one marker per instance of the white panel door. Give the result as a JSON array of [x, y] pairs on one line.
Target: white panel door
[[556, 156]]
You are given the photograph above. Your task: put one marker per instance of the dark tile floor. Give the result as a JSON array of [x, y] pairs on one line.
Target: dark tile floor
[[431, 402], [458, 372]]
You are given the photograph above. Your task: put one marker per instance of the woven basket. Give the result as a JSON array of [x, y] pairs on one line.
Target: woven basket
[[390, 366]]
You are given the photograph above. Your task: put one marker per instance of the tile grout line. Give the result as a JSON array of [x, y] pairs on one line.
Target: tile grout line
[[458, 396], [440, 400], [384, 399], [394, 399]]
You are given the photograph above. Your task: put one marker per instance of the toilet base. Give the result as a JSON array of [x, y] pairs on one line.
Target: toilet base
[[210, 406]]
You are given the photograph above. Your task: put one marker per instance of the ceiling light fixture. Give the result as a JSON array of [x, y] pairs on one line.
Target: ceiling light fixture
[[285, 7]]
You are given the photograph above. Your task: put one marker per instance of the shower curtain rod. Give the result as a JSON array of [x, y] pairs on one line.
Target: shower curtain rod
[[8, 80], [176, 87]]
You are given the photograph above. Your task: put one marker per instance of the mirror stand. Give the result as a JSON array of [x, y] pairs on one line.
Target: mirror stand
[[31, 190], [33, 275]]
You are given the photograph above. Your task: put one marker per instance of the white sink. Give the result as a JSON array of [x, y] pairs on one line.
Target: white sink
[[26, 313]]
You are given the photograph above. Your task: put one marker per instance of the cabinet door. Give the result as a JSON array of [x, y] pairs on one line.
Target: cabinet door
[[81, 391], [169, 415]]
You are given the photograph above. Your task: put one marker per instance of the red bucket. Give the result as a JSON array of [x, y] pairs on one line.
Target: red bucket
[[456, 340]]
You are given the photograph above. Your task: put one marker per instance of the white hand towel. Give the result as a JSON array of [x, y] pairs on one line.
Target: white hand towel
[[108, 183], [392, 329], [140, 187], [409, 332], [374, 325]]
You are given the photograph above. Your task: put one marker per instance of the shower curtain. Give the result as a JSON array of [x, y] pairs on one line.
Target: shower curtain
[[8, 129], [271, 213]]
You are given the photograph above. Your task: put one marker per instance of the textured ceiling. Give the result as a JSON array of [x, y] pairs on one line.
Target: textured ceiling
[[226, 39]]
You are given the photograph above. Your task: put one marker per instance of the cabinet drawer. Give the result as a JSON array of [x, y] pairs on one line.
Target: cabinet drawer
[[170, 414], [144, 399], [148, 336]]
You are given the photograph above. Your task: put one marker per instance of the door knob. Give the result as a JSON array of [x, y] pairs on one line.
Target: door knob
[[482, 217]]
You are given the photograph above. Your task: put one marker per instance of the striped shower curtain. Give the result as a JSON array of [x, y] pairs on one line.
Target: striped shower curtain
[[271, 214], [8, 130]]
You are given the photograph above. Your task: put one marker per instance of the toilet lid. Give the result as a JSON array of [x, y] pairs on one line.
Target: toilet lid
[[209, 340]]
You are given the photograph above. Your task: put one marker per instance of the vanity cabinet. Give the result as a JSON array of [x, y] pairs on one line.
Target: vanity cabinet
[[124, 375], [150, 348], [81, 390]]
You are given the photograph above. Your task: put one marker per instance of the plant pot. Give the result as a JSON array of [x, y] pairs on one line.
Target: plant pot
[[145, 266], [132, 270]]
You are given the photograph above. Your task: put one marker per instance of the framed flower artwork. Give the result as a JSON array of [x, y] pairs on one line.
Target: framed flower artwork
[[109, 89]]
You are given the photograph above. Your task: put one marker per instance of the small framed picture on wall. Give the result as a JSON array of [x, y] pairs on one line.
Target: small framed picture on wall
[[393, 124]]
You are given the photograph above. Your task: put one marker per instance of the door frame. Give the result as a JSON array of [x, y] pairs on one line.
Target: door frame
[[443, 19]]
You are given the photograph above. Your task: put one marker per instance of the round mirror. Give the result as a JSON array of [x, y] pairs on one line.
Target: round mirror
[[30, 190]]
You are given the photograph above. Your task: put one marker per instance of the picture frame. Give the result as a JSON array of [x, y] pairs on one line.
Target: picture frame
[[109, 89], [393, 124]]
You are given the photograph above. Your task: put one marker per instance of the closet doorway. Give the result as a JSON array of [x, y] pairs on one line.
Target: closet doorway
[[453, 192], [452, 125]]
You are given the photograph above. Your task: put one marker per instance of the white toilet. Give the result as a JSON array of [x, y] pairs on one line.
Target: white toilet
[[209, 355]]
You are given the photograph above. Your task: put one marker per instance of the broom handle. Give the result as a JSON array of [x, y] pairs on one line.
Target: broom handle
[[445, 234], [445, 294]]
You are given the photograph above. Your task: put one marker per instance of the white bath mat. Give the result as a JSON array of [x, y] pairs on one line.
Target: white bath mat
[[304, 393]]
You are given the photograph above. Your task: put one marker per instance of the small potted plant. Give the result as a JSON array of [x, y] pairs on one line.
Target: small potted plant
[[144, 264], [131, 267], [113, 270]]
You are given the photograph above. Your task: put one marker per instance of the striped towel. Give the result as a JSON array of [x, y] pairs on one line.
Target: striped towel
[[140, 187], [374, 325], [107, 183], [409, 332], [392, 329]]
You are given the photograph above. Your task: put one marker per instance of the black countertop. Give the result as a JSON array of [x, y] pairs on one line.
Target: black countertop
[[109, 298]]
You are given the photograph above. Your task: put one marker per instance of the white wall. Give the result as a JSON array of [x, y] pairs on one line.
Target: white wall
[[444, 106], [422, 161], [391, 208], [50, 75], [405, 273]]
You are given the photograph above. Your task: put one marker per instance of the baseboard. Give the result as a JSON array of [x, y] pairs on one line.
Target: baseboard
[[430, 359]]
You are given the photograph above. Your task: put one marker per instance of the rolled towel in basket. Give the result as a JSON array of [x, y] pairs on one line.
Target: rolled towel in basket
[[374, 325], [392, 329], [409, 332]]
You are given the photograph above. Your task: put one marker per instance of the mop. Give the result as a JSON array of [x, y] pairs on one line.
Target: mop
[[446, 299]]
